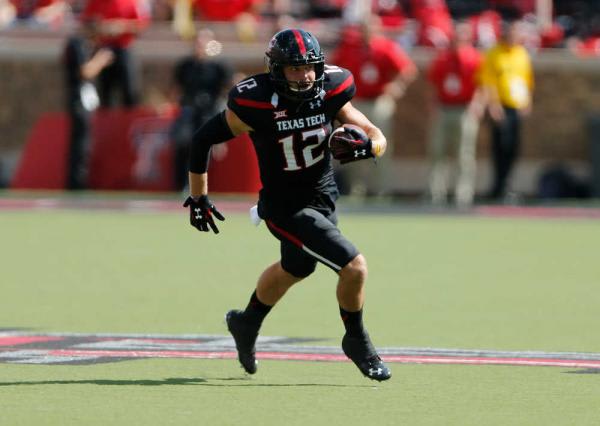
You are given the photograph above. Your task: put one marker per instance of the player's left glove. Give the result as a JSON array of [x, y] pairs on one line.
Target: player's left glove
[[202, 212], [350, 143]]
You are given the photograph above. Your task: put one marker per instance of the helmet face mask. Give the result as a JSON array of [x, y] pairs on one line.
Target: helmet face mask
[[295, 47]]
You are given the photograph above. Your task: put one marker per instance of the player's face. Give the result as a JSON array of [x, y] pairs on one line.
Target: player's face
[[300, 77]]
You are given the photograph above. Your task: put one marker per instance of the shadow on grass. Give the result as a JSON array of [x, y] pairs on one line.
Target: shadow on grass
[[586, 371], [232, 382], [105, 382]]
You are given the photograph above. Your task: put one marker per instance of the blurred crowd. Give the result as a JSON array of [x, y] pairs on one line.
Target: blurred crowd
[[481, 68], [550, 23]]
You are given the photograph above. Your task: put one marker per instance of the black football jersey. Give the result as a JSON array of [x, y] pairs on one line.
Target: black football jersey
[[290, 137]]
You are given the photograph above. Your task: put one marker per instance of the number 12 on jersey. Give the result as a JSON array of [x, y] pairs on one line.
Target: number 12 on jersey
[[308, 155]]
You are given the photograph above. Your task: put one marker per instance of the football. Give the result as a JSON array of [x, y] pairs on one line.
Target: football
[[350, 143], [343, 128]]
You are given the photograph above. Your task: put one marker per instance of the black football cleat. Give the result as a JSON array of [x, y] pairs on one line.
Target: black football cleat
[[244, 336], [361, 351]]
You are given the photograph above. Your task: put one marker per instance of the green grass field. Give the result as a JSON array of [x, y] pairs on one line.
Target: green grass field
[[435, 281]]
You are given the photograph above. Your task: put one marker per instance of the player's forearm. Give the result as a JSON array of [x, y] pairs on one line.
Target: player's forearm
[[213, 132], [96, 64], [349, 114], [198, 184]]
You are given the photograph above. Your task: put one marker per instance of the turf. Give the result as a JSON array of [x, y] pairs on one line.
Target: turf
[[435, 281], [216, 393]]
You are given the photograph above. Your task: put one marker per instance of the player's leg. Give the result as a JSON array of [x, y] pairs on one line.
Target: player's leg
[[356, 342], [128, 78], [106, 84], [499, 136], [272, 284], [513, 133], [437, 158], [467, 165], [77, 162], [350, 289], [318, 236]]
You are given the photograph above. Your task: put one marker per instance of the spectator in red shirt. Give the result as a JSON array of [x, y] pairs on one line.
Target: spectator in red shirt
[[552, 36], [50, 13], [390, 12], [381, 71], [460, 106], [435, 23], [486, 28], [118, 22], [588, 45], [27, 8], [222, 10], [242, 12]]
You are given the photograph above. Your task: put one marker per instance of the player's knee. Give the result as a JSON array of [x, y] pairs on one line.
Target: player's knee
[[356, 270]]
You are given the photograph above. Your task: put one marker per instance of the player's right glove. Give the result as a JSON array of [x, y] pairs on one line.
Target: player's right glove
[[202, 212], [350, 143]]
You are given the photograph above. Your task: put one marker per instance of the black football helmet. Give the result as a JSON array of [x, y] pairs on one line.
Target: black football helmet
[[295, 47]]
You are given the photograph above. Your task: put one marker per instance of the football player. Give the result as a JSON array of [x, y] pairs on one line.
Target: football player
[[288, 113]]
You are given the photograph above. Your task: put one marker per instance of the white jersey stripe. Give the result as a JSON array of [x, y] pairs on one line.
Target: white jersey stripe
[[321, 258]]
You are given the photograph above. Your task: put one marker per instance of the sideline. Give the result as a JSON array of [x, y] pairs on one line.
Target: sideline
[[241, 204]]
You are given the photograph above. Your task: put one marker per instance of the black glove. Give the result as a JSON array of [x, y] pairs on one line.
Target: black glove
[[350, 143], [202, 212]]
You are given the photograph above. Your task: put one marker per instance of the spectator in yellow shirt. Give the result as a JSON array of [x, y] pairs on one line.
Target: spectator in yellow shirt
[[507, 78]]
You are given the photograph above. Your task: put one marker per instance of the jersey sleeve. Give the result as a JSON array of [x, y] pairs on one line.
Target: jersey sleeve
[[248, 100], [339, 85]]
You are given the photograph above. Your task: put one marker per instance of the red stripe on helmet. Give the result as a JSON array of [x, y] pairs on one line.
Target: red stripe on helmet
[[347, 83], [300, 42]]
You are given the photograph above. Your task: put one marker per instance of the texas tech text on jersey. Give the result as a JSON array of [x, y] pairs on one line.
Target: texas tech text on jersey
[[290, 136]]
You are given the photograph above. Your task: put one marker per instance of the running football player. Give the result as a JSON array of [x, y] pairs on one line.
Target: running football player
[[289, 113]]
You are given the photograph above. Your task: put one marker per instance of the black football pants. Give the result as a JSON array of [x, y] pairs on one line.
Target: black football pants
[[309, 236], [79, 145], [120, 76]]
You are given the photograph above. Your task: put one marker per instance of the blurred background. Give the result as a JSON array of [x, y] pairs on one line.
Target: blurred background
[[102, 94]]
